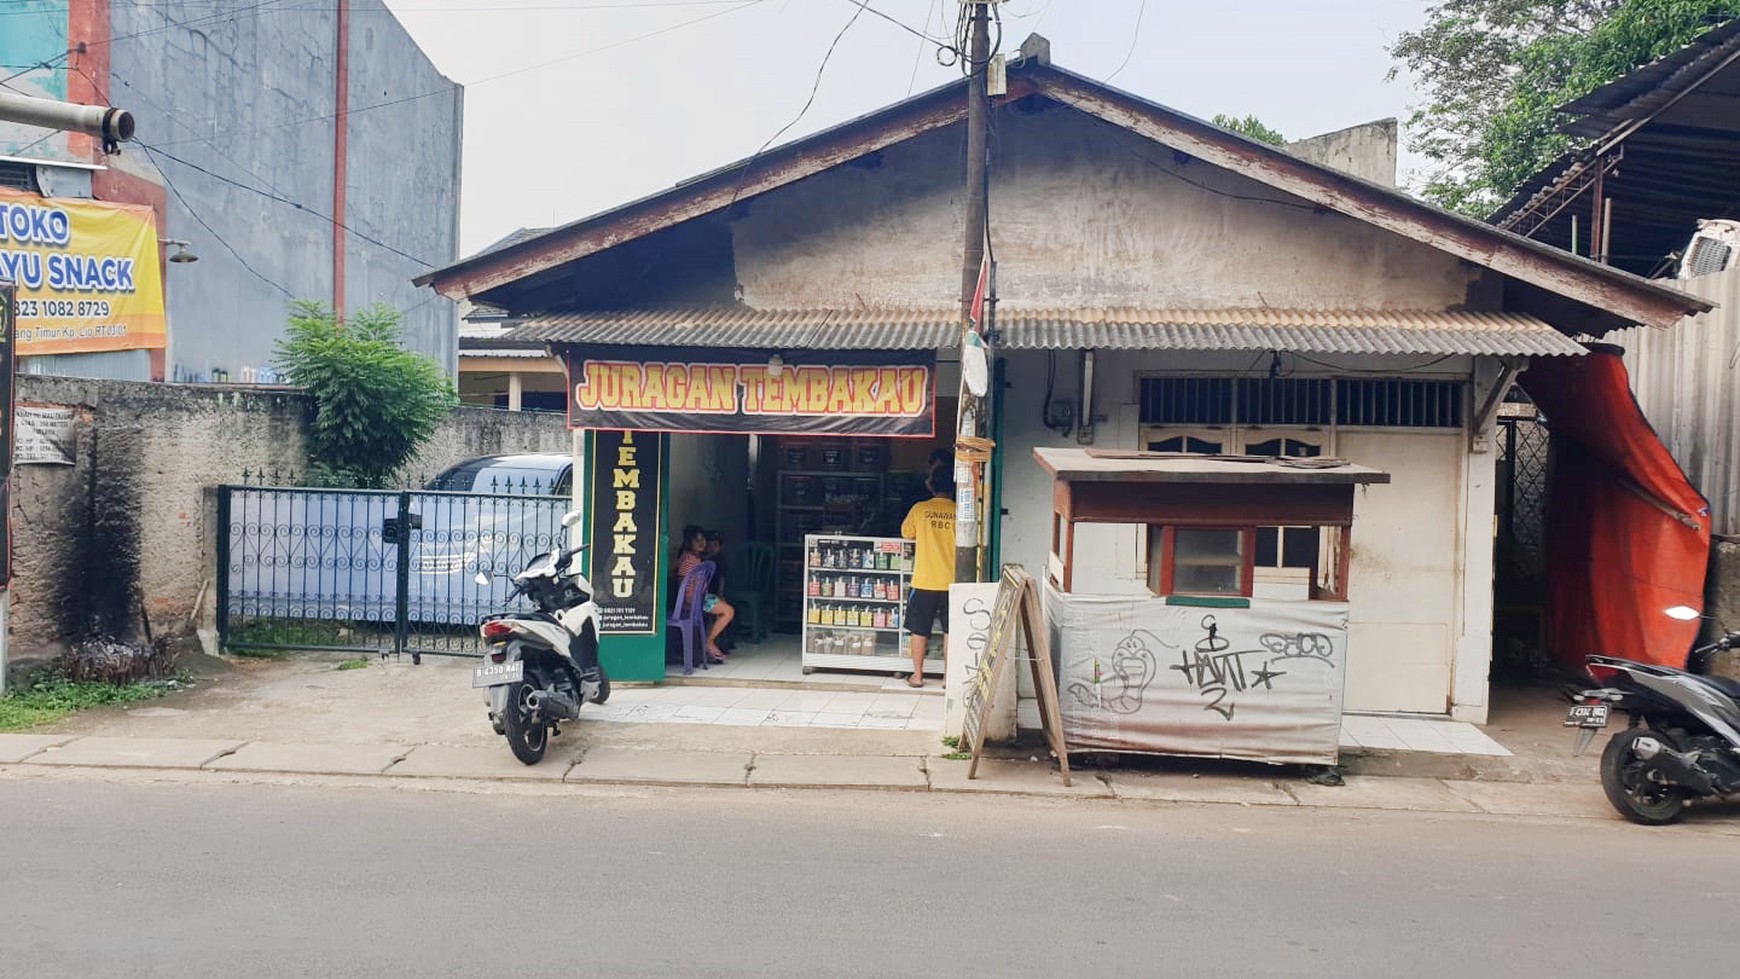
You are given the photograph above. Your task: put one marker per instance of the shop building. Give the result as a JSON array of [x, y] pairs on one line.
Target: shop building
[[1164, 286]]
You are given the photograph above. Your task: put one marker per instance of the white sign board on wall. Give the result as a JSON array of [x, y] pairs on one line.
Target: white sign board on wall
[[45, 436], [1261, 683]]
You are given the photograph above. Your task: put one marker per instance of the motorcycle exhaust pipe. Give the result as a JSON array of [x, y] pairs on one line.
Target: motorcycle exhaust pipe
[[553, 704], [1680, 768]]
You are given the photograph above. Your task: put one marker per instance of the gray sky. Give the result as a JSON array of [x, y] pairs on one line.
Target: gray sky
[[615, 115]]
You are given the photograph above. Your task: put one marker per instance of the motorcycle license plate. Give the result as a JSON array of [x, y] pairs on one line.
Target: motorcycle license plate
[[1587, 715], [496, 674]]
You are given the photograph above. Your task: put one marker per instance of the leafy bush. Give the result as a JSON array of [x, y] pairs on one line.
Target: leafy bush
[[50, 696], [375, 402]]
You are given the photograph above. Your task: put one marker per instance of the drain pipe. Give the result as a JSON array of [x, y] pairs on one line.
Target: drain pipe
[[1084, 432]]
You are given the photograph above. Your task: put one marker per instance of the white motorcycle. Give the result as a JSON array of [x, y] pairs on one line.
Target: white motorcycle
[[540, 666]]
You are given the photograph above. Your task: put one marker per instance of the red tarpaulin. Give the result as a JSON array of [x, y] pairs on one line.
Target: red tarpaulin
[[1627, 536]]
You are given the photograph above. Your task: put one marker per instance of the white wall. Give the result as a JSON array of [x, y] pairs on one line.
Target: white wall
[[1082, 213], [1419, 642]]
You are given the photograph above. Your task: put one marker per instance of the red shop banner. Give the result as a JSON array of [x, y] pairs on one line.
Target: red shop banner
[[880, 392]]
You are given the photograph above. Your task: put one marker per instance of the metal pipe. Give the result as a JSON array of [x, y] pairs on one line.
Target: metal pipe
[[1084, 430], [107, 123]]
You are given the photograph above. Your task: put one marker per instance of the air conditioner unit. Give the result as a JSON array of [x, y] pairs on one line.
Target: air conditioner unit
[[1712, 249]]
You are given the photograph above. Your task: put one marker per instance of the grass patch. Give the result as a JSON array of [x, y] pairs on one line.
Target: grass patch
[[354, 664], [951, 742], [959, 756], [46, 699], [249, 652]]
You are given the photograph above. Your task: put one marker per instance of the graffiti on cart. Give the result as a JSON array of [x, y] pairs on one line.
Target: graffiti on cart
[[1217, 670], [1134, 665], [1300, 645]]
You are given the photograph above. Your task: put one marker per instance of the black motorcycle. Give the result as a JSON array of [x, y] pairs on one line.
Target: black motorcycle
[[1683, 739]]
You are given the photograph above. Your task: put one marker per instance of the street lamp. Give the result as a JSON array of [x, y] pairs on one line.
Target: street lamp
[[182, 256]]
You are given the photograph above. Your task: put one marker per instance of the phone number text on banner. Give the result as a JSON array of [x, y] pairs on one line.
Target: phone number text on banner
[[86, 273], [882, 392]]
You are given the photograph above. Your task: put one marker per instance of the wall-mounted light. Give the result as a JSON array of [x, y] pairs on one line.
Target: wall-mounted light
[[182, 256]]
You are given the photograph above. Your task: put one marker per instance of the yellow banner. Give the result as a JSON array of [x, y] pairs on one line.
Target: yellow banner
[[87, 274]]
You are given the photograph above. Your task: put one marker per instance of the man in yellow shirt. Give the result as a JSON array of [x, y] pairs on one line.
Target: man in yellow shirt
[[931, 525]]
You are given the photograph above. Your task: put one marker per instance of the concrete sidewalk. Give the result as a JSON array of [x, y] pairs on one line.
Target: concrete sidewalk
[[397, 721], [744, 768]]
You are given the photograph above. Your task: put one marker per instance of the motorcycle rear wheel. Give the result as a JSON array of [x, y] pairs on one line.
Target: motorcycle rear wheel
[[526, 738], [1635, 796]]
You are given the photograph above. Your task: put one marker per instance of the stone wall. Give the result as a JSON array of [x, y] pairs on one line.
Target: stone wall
[[1722, 601], [132, 517]]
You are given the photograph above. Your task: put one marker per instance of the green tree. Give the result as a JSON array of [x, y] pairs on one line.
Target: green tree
[[1250, 126], [374, 401], [1492, 74]]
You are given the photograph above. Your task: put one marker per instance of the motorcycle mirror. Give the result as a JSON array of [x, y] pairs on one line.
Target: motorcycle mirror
[[482, 579], [571, 518], [1684, 613]]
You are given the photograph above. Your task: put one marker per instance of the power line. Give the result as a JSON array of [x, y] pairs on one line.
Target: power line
[[815, 87], [154, 152], [737, 5], [1135, 35], [577, 8], [220, 238], [864, 5]]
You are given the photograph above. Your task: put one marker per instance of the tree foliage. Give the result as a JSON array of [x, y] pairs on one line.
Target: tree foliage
[[375, 402], [1250, 126], [1492, 74]]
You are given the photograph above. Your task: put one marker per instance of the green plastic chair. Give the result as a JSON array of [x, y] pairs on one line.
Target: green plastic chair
[[751, 584]]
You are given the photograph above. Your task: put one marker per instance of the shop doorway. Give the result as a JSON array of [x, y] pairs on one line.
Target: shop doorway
[[774, 502]]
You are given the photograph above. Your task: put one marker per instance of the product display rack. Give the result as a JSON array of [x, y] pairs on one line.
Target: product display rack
[[824, 486], [855, 604]]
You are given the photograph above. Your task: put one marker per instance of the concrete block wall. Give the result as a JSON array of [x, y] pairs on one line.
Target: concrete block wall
[[134, 515]]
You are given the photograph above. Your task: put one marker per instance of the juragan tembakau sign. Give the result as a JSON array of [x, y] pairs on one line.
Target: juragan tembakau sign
[[842, 392], [625, 553]]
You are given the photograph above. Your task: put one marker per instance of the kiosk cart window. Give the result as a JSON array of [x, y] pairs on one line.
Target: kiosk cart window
[[1203, 561]]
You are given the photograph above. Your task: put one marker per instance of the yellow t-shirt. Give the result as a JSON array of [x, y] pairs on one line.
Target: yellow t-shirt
[[932, 525]]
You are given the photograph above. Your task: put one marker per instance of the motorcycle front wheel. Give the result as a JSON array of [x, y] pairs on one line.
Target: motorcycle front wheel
[[526, 738], [1629, 790]]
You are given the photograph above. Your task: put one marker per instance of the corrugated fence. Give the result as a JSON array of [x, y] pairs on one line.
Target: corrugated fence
[[1687, 380]]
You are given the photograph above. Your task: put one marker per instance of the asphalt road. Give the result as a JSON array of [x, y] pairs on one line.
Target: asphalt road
[[119, 878]]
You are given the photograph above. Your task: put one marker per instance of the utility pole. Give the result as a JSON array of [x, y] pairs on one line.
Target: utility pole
[[968, 509]]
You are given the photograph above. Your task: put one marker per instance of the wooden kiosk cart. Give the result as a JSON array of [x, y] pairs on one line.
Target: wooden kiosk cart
[[1238, 648]]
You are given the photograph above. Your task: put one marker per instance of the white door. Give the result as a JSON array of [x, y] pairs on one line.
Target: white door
[[1402, 577]]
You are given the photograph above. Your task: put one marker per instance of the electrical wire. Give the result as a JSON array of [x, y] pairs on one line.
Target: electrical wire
[[1225, 193], [357, 110], [1135, 35], [908, 28], [220, 238], [930, 12], [154, 152], [815, 87]]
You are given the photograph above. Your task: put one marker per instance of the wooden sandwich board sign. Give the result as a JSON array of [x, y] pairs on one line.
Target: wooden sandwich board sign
[[1017, 605]]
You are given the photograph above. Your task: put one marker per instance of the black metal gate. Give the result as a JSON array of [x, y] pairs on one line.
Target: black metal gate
[[383, 571], [1520, 552]]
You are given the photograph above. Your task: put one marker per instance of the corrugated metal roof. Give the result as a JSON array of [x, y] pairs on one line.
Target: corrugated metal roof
[[1646, 89], [763, 329], [1305, 331]]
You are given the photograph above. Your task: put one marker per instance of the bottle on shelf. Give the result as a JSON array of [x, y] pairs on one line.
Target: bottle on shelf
[[815, 586], [815, 613]]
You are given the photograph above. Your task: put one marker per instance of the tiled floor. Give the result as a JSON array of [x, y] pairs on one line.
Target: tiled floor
[[881, 701], [774, 707], [779, 659], [1439, 735]]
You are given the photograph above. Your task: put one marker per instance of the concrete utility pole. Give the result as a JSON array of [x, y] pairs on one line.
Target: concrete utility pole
[[968, 509]]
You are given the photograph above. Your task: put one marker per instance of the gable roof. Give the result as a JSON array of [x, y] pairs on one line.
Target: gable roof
[[1556, 272]]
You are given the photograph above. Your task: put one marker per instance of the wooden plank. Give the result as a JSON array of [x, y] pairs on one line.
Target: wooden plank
[[1044, 681]]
